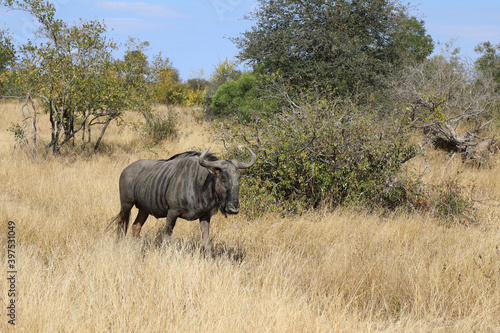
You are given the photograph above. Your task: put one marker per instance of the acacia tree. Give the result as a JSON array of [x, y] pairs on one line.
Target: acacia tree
[[166, 85], [334, 44], [73, 72], [489, 61], [225, 71], [7, 56], [7, 52]]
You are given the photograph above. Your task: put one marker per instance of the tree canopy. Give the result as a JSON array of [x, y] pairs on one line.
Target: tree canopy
[[489, 61], [334, 44], [71, 69], [7, 53], [73, 72], [7, 56]]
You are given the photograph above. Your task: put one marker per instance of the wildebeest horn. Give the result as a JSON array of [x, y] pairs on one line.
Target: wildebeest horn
[[241, 165], [209, 164]]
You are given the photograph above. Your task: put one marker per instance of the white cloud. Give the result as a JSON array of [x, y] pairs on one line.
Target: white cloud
[[141, 9]]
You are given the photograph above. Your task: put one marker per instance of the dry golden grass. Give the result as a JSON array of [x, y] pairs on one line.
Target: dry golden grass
[[341, 271]]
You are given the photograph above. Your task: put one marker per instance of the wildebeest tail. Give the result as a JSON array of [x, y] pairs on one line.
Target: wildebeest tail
[[111, 221], [116, 220]]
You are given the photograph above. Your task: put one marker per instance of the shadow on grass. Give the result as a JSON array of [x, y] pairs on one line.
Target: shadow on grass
[[192, 245]]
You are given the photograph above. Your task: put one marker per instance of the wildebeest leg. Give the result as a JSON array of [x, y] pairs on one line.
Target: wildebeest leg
[[169, 226], [205, 226], [142, 216]]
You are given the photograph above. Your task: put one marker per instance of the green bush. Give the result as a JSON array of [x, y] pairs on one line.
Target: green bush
[[160, 127], [226, 70], [320, 151], [449, 201], [241, 98]]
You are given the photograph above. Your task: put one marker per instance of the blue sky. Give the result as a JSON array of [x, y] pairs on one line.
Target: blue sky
[[193, 34]]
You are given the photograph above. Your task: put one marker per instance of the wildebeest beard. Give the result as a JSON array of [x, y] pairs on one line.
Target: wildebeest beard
[[222, 209], [220, 192]]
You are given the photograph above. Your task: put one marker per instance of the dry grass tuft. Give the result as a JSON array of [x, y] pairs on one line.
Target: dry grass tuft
[[346, 270]]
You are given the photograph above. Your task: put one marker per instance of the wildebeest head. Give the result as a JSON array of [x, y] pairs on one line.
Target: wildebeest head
[[228, 180]]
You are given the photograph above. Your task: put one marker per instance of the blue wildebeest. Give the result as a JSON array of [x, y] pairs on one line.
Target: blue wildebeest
[[188, 185]]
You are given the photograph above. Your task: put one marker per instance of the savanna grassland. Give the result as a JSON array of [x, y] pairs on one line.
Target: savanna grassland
[[347, 270]]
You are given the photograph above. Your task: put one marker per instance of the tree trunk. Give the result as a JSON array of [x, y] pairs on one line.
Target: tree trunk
[[471, 146], [102, 133]]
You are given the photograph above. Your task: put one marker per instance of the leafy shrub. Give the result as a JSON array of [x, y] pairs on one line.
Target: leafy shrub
[[321, 151], [224, 71], [159, 127], [450, 201], [166, 86], [240, 98]]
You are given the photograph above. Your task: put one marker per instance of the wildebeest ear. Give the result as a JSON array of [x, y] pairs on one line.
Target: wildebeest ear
[[213, 171]]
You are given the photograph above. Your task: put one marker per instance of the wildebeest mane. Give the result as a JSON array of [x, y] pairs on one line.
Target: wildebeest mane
[[208, 157]]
